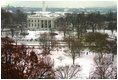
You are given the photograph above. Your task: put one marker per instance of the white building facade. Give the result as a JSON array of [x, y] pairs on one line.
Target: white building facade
[[40, 22]]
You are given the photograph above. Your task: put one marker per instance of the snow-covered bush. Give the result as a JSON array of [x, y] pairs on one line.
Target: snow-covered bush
[[68, 72], [104, 68]]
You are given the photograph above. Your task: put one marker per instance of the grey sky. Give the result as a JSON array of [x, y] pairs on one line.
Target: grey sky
[[63, 4]]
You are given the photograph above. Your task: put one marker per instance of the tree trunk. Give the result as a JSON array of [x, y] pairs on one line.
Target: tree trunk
[[79, 53], [73, 61], [112, 32], [16, 43], [73, 57], [78, 33], [112, 57], [100, 56], [93, 30], [104, 30]]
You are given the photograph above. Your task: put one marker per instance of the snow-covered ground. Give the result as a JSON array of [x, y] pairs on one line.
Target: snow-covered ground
[[36, 34], [106, 31], [85, 61]]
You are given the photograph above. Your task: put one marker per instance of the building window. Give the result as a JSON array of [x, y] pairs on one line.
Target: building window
[[38, 25], [35, 24], [32, 25], [41, 25], [35, 20], [41, 21], [32, 20], [29, 24], [38, 20], [49, 23], [45, 23]]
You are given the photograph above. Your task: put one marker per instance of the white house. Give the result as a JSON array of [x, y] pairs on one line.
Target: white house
[[42, 20]]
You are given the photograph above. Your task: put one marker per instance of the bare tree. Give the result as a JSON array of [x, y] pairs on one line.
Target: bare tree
[[48, 42], [61, 23], [53, 41], [75, 47], [92, 21], [112, 48], [105, 69], [44, 40], [44, 69], [19, 62], [68, 72], [112, 26]]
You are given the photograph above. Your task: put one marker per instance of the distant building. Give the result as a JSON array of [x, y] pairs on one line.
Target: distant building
[[42, 20]]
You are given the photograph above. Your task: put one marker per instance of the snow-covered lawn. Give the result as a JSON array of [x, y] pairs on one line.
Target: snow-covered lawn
[[36, 34], [85, 61], [107, 32], [58, 55]]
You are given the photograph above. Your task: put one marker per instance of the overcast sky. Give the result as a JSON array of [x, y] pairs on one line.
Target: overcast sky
[[62, 4]]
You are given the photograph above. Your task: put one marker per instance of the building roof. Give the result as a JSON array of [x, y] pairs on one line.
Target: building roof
[[44, 15]]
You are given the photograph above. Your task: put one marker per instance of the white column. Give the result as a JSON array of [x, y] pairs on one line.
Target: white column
[[39, 24], [52, 25], [47, 24]]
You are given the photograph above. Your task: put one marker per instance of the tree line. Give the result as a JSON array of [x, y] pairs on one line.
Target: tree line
[[81, 22]]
